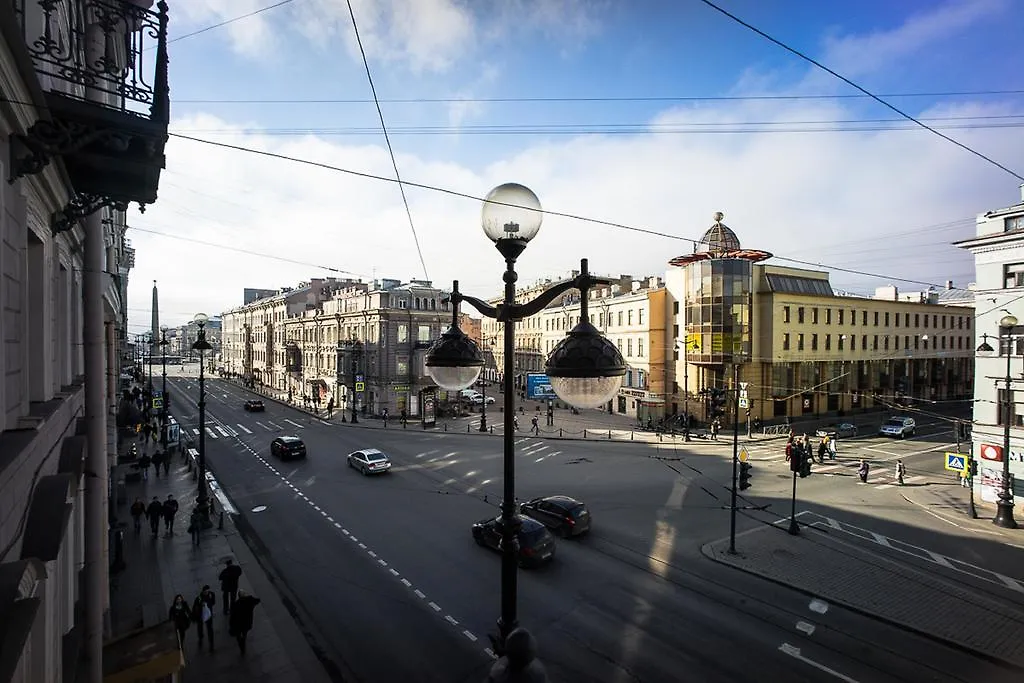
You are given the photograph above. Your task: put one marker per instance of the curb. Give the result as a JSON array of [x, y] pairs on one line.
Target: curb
[[710, 553]]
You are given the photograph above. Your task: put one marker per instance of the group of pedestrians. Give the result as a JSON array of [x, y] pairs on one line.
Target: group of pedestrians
[[800, 448], [238, 606], [157, 510]]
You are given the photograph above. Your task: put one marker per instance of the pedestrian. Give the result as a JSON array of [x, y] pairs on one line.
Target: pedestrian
[[158, 460], [790, 447], [170, 510], [138, 509], [863, 471], [181, 616], [536, 426], [139, 431], [229, 583], [195, 525], [154, 512], [385, 417], [202, 614], [167, 464], [515, 423], [832, 448], [822, 449], [714, 429], [147, 431], [404, 417], [240, 622], [901, 471], [144, 463]]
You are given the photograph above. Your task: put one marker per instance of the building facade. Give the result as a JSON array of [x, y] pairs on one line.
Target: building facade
[[998, 250], [73, 158], [800, 348]]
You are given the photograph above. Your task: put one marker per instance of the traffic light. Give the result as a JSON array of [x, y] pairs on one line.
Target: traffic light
[[745, 475], [963, 431], [717, 408]]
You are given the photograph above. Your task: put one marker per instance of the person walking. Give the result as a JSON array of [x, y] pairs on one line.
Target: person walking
[[195, 525], [535, 428], [790, 447], [170, 509], [144, 463], [202, 614], [240, 622], [715, 425], [822, 449], [181, 616], [229, 583], [158, 460], [154, 512], [901, 471], [863, 471], [167, 464], [832, 448], [138, 509]]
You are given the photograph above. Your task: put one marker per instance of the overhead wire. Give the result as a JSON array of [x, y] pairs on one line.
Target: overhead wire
[[387, 138], [861, 89], [229, 21]]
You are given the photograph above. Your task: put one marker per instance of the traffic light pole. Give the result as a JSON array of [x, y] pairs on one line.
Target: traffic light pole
[[794, 529], [735, 454]]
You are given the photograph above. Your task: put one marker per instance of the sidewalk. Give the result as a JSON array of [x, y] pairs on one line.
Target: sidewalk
[[953, 504], [158, 568], [872, 584]]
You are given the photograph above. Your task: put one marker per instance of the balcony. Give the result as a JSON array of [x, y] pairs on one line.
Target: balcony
[[97, 71]]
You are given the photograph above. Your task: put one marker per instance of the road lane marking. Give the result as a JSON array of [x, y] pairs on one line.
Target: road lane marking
[[245, 429], [940, 560], [794, 652], [264, 426], [451, 620], [434, 606], [371, 553], [818, 606], [296, 424], [275, 425], [881, 540], [223, 432], [469, 635], [407, 583], [195, 431], [419, 594], [804, 627]]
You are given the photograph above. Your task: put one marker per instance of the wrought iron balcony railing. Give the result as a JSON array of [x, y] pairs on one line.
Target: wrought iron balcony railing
[[115, 47]]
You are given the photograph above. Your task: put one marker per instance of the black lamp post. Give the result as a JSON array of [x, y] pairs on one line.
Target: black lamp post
[[151, 344], [163, 390], [585, 369], [686, 384], [357, 349], [483, 404], [201, 345], [1004, 506]]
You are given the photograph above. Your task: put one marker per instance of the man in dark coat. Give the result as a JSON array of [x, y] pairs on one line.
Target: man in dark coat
[[240, 622], [155, 512], [229, 583]]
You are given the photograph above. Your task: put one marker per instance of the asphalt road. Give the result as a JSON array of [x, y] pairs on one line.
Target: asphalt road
[[396, 589]]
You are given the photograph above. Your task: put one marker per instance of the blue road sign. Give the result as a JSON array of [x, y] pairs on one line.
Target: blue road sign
[[957, 462], [538, 386]]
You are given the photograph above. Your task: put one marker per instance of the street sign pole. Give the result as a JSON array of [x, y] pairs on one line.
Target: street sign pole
[[735, 456]]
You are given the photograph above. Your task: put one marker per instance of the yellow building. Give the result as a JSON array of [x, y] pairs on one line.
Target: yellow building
[[802, 349]]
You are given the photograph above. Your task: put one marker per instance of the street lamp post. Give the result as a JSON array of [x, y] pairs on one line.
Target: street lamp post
[[483, 404], [585, 368], [1004, 506], [686, 386], [357, 347], [151, 344], [201, 345], [163, 390]]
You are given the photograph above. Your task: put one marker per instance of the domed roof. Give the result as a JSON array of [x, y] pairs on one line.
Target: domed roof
[[719, 238]]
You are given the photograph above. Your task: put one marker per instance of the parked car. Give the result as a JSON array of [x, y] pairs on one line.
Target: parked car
[[255, 406], [469, 394], [536, 545], [899, 427], [479, 399], [565, 516], [840, 431], [369, 461], [288, 448]]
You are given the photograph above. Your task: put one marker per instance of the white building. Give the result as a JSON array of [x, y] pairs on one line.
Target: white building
[[998, 250]]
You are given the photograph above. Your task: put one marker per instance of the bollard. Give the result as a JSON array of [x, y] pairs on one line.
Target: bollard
[[609, 435], [631, 435], [220, 522], [467, 429], [446, 426], [492, 429], [559, 431], [584, 433]]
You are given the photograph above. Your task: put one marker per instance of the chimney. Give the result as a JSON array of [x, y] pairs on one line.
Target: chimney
[[949, 284]]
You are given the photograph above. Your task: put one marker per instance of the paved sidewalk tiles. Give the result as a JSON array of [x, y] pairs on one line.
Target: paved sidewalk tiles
[[871, 583], [158, 568]]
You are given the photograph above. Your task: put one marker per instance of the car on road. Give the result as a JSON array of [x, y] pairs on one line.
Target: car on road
[[899, 427], [480, 399], [565, 516], [839, 431], [369, 461], [254, 406], [288, 448], [536, 545]]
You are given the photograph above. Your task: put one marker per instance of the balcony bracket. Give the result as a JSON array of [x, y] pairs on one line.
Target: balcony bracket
[[82, 205], [48, 139]]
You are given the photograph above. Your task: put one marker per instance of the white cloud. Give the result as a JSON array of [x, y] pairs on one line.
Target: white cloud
[[253, 36], [792, 194]]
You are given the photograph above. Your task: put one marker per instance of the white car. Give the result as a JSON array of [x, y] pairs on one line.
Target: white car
[[479, 399], [369, 461], [899, 427]]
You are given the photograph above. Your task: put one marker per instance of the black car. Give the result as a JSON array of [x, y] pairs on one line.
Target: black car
[[254, 406], [288, 448], [565, 516], [536, 545]]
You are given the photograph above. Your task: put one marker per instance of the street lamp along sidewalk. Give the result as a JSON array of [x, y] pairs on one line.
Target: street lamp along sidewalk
[[1004, 506], [585, 368], [201, 345]]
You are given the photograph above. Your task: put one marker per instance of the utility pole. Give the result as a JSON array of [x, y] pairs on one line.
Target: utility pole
[[735, 453]]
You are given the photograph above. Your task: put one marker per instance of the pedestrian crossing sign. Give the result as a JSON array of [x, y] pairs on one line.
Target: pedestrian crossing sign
[[956, 462]]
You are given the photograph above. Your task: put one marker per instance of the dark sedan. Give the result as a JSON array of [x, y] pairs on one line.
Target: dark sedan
[[536, 545], [255, 406], [565, 516], [288, 448]]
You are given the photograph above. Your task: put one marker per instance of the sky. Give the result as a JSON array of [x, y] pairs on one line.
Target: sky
[[652, 115]]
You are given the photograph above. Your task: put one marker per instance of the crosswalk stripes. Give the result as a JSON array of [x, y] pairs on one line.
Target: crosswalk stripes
[[223, 432], [245, 429], [269, 429], [210, 433]]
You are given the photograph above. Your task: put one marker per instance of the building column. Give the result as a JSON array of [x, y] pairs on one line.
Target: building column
[[95, 569]]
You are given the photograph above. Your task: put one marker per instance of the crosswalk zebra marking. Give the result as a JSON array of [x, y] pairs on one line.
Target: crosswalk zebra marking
[[245, 429]]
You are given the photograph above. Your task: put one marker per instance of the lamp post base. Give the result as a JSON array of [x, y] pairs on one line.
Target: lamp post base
[[203, 507], [483, 424], [1004, 515]]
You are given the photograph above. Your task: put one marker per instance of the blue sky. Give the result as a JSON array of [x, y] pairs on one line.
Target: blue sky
[[860, 200]]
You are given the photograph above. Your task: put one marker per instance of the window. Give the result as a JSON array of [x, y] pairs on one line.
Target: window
[[839, 341], [885, 342], [423, 333], [864, 342], [828, 342], [675, 308], [1014, 223], [887, 318], [828, 316], [629, 317], [935, 321], [853, 342], [917, 320], [864, 318], [814, 316], [640, 317], [785, 314], [959, 322], [675, 331], [799, 342], [800, 314], [640, 348], [403, 333], [926, 320], [401, 367], [943, 322], [1015, 418], [906, 341], [876, 318], [814, 342], [619, 319], [1013, 275], [841, 311], [629, 348], [785, 341], [917, 342]]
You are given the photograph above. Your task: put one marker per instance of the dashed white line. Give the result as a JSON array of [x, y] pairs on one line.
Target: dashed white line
[[394, 572], [296, 424], [419, 594], [371, 553], [818, 606], [407, 583], [804, 627], [362, 546], [794, 652], [469, 635], [451, 620], [245, 429], [434, 606]]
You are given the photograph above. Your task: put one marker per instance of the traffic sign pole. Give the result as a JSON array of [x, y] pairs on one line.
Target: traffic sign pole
[[735, 456]]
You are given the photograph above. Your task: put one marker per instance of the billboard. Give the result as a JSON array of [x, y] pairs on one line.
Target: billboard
[[538, 386]]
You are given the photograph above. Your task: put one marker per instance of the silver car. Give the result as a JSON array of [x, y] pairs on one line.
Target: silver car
[[899, 427], [369, 461], [842, 430]]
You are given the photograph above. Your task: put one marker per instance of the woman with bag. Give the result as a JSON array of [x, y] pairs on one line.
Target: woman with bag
[[181, 615], [202, 613]]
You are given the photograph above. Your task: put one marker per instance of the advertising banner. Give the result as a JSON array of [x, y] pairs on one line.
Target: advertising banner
[[429, 412], [538, 386], [991, 484]]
